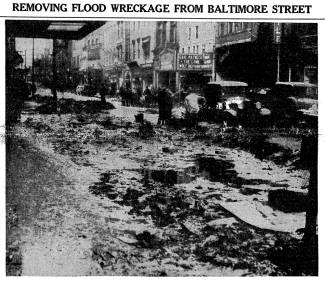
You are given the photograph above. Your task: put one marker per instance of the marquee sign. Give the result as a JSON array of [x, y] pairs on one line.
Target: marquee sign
[[195, 61]]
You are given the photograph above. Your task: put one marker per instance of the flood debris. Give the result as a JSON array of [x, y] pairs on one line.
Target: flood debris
[[65, 106]]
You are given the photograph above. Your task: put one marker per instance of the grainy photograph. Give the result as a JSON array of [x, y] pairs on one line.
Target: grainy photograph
[[161, 148]]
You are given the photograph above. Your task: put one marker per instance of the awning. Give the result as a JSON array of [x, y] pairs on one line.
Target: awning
[[67, 30]]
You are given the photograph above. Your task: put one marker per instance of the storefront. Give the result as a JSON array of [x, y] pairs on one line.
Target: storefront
[[195, 70], [165, 70]]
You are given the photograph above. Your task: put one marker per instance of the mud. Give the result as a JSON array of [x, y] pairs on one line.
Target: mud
[[139, 203]]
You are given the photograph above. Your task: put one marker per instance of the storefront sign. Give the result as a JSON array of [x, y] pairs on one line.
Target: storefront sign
[[167, 62], [195, 61]]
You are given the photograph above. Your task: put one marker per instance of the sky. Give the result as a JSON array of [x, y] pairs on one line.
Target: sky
[[40, 45]]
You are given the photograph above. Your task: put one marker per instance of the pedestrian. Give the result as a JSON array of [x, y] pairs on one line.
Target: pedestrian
[[165, 105], [102, 92], [147, 96]]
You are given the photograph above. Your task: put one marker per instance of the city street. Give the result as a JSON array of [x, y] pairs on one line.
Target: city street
[[99, 194]]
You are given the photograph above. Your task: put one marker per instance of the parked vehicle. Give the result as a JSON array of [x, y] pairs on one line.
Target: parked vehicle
[[225, 99], [289, 102], [226, 93]]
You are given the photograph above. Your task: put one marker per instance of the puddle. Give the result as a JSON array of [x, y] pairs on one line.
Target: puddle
[[210, 168], [170, 176]]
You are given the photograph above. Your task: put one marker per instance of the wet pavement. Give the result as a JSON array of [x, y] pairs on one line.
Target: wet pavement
[[99, 195]]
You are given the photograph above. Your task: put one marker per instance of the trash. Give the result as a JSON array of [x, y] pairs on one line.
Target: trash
[[148, 240], [139, 118]]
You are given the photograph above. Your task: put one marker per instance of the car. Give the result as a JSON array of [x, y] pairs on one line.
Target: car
[[225, 101], [289, 102], [226, 94]]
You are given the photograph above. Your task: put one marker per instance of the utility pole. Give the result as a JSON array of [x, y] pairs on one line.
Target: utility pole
[[278, 64], [277, 40]]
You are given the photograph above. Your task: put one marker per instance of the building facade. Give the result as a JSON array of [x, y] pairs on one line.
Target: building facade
[[195, 62], [264, 53]]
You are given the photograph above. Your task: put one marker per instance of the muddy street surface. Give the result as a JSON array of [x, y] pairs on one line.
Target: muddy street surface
[[99, 194]]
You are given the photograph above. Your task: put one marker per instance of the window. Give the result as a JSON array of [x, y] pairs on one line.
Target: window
[[197, 32], [230, 25], [182, 50], [173, 27], [133, 49], [138, 47], [120, 52], [222, 29], [146, 49], [203, 48], [188, 49], [237, 27], [189, 34], [246, 25], [197, 49], [161, 33], [96, 41], [193, 49]]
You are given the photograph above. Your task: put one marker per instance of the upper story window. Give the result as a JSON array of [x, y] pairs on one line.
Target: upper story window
[[230, 27], [197, 32], [173, 32], [246, 25], [146, 49], [238, 27], [138, 41], [189, 33], [161, 33], [133, 49]]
